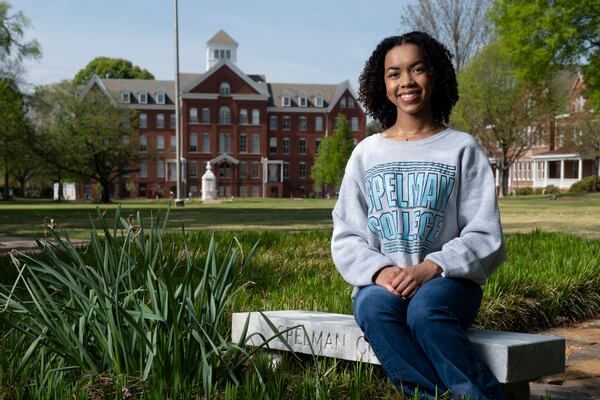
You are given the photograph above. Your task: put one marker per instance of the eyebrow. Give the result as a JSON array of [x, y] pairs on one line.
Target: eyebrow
[[410, 66]]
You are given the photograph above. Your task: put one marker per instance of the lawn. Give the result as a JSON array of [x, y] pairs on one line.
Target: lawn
[[579, 215]]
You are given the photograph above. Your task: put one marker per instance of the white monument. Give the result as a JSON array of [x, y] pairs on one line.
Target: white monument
[[209, 185]]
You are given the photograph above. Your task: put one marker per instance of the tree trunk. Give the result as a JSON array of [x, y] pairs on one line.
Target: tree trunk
[[595, 172], [105, 192], [6, 176], [504, 181]]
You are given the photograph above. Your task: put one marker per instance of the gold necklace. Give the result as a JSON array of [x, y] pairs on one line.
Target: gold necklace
[[406, 136]]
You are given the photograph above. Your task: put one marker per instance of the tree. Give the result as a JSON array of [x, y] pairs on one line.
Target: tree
[[545, 36], [374, 127], [460, 24], [13, 48], [506, 114], [334, 152], [586, 137], [111, 68], [85, 135], [13, 121]]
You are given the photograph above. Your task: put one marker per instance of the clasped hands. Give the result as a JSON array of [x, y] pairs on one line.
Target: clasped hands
[[405, 282]]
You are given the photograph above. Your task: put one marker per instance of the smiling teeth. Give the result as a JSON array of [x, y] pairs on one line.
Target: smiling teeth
[[408, 96]]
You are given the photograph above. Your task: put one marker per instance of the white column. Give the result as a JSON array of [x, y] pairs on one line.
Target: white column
[[497, 176], [562, 173], [580, 169], [534, 173], [545, 173]]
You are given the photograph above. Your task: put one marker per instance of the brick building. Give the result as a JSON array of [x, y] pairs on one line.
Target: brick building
[[260, 137]]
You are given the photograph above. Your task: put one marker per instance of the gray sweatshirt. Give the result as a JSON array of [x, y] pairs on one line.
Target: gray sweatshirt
[[403, 202]]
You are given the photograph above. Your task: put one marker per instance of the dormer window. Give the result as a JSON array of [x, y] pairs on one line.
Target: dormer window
[[350, 102], [160, 98], [225, 89], [286, 100], [343, 102], [579, 104], [221, 54], [126, 96], [143, 97], [302, 100], [319, 100]]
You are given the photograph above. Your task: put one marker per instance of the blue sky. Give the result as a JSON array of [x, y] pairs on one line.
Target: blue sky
[[307, 41]]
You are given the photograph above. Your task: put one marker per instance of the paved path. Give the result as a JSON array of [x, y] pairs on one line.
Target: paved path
[[581, 380], [8, 243]]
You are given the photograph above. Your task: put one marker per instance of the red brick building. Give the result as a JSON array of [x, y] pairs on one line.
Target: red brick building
[[260, 137]]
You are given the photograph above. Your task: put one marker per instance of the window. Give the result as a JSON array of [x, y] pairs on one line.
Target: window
[[160, 144], [337, 121], [194, 190], [205, 115], [224, 115], [172, 121], [273, 122], [256, 143], [302, 100], [173, 144], [193, 142], [193, 169], [225, 170], [255, 117], [160, 98], [302, 146], [243, 169], [286, 170], [206, 142], [318, 100], [319, 124], [255, 191], [286, 100], [286, 123], [224, 142], [143, 97], [243, 116], [228, 54], [354, 124], [224, 89], [343, 102], [302, 170], [273, 145], [143, 169], [255, 169], [302, 123], [143, 143], [216, 54], [126, 96], [193, 115], [286, 145], [243, 191], [350, 102], [143, 120], [243, 143], [317, 144], [160, 121], [160, 169]]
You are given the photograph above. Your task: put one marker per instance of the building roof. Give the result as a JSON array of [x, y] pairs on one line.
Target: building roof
[[222, 37], [151, 86], [277, 91]]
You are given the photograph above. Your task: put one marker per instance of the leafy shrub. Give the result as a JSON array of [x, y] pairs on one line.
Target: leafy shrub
[[551, 189], [131, 305], [586, 185], [526, 191], [538, 191]]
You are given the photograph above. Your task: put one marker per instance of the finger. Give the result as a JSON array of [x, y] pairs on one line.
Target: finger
[[404, 284], [390, 289], [399, 278], [410, 291]]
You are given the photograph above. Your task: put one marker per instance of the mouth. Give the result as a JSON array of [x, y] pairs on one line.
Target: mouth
[[408, 97]]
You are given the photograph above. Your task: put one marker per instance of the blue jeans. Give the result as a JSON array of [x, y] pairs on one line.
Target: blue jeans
[[422, 342]]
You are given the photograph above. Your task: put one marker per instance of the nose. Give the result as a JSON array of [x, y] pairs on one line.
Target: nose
[[406, 80]]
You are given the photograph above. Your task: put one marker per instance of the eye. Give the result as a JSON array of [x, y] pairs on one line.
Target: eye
[[393, 74]]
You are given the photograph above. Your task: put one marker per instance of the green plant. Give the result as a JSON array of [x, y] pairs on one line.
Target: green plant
[[538, 191], [587, 184], [132, 304], [526, 191], [551, 189]]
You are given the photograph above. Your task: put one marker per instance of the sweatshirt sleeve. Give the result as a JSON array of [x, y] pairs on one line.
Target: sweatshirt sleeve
[[353, 255], [479, 248]]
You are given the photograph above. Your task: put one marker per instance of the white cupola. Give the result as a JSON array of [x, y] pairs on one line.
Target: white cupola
[[219, 47]]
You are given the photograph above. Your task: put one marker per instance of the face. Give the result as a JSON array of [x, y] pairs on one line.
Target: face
[[408, 81]]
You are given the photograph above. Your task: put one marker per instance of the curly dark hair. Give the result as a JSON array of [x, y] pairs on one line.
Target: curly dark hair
[[372, 91]]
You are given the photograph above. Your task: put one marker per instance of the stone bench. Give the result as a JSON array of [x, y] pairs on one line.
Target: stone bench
[[514, 358]]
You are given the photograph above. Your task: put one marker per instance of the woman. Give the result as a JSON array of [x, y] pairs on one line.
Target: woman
[[416, 225]]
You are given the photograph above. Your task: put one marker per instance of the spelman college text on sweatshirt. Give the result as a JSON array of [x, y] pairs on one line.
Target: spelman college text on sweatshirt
[[403, 202]]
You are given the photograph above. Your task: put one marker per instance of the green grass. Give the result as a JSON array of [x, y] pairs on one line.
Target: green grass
[[577, 214]]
